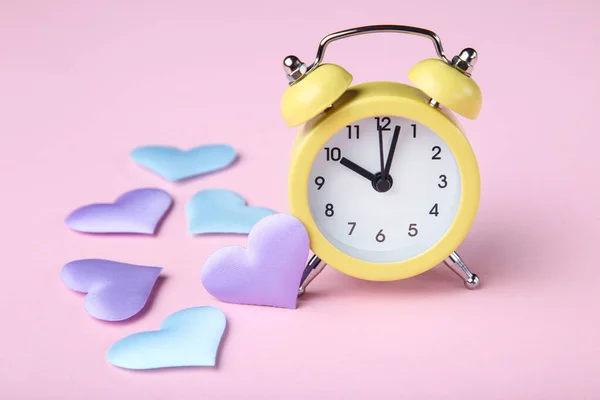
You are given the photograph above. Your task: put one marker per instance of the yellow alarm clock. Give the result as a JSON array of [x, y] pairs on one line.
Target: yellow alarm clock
[[382, 175]]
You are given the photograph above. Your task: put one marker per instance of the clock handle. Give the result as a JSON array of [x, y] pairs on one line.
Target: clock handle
[[464, 62], [456, 264], [363, 30], [313, 268]]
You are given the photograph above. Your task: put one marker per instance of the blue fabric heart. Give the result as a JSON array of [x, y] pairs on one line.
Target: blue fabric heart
[[187, 338], [222, 211], [174, 164]]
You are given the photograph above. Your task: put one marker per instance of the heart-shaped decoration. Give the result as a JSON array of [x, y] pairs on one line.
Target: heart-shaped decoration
[[222, 211], [187, 338], [174, 164], [138, 211], [268, 272], [115, 291]]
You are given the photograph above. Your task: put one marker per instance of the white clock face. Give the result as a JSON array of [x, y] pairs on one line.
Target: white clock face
[[387, 214]]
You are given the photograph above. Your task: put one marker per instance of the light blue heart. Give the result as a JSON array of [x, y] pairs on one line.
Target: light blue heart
[[187, 338], [174, 164], [222, 211]]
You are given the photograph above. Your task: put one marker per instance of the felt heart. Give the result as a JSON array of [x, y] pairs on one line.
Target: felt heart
[[268, 272], [174, 164], [222, 211], [137, 211], [115, 291], [187, 338]]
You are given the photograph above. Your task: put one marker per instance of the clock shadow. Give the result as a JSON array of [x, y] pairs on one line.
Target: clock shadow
[[493, 252], [438, 280]]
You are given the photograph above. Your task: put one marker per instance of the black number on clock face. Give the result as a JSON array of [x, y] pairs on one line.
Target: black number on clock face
[[437, 150], [353, 226], [412, 230], [380, 237], [434, 210], [333, 154], [329, 210], [319, 181], [444, 182], [414, 126], [383, 124], [356, 131]]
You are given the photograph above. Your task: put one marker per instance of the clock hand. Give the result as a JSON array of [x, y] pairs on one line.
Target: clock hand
[[388, 163], [358, 169], [381, 150]]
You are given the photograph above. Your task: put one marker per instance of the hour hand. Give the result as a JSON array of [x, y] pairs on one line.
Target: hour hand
[[358, 169]]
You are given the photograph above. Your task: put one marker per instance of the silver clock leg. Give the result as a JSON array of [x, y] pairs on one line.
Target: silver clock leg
[[456, 264], [313, 268]]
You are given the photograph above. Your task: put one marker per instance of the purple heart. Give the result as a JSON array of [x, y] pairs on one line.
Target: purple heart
[[137, 211], [268, 272], [115, 291]]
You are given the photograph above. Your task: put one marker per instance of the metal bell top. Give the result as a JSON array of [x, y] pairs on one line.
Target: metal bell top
[[465, 61], [294, 68]]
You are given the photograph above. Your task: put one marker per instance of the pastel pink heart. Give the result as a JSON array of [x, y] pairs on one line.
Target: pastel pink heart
[[268, 272]]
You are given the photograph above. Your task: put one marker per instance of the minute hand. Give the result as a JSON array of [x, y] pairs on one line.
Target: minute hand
[[388, 163]]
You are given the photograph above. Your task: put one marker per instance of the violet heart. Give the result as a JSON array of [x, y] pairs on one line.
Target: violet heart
[[137, 211], [268, 272], [115, 291]]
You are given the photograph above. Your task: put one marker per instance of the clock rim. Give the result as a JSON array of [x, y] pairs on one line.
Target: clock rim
[[368, 100]]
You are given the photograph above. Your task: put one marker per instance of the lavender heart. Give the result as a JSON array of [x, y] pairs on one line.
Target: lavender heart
[[137, 211], [268, 272], [115, 291]]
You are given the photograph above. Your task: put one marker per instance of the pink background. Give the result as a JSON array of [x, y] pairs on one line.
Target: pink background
[[83, 83]]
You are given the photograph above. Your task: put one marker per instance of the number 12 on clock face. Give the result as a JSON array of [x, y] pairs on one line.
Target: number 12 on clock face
[[384, 189]]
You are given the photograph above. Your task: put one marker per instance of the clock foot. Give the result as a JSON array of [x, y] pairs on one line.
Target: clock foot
[[313, 268], [456, 264]]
